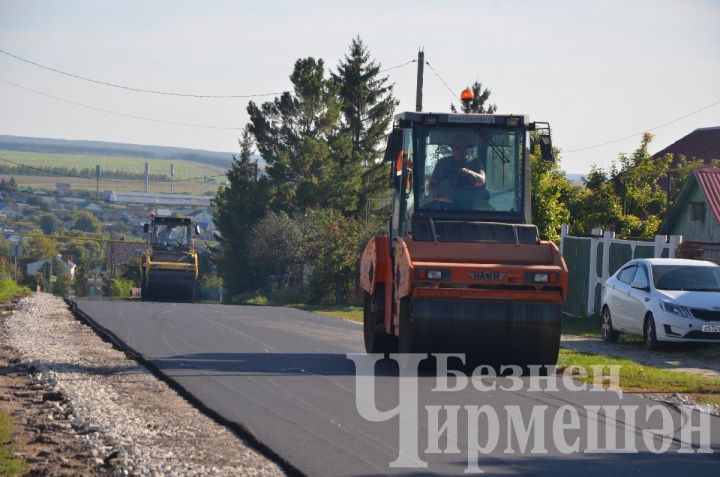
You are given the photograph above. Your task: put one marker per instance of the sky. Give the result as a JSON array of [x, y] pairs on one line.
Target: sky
[[597, 71]]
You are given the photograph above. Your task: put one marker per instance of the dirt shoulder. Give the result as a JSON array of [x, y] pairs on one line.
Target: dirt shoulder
[[43, 435], [82, 407]]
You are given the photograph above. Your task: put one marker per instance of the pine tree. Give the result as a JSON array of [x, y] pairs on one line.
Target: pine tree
[[237, 207], [367, 105], [293, 135]]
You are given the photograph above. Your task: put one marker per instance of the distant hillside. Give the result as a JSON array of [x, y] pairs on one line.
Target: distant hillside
[[99, 148], [578, 179]]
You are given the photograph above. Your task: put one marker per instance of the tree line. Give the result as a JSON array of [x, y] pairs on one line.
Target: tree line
[[299, 227], [306, 217], [85, 172]]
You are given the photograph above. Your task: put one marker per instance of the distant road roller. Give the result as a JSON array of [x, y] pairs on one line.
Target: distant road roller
[[169, 266], [462, 268]]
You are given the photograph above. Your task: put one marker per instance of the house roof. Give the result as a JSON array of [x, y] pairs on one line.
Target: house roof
[[708, 179], [702, 143]]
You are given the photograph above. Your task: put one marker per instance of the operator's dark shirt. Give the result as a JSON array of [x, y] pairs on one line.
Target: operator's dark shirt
[[448, 181]]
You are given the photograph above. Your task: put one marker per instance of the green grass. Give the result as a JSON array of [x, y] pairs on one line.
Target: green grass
[[183, 169], [636, 377], [347, 312], [9, 290], [585, 327], [8, 465], [352, 313]]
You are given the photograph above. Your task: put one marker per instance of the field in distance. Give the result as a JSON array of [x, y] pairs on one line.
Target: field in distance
[[48, 183], [183, 169]]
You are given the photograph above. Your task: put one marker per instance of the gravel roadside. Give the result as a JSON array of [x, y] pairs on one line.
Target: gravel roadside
[[130, 422]]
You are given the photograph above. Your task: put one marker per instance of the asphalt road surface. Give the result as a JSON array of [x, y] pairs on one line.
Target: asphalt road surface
[[283, 375]]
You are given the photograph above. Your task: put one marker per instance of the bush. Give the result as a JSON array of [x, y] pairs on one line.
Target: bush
[[336, 246], [277, 251], [119, 287], [9, 290]]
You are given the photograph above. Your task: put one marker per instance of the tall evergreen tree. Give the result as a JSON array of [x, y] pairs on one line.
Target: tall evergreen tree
[[367, 105], [237, 207], [293, 134]]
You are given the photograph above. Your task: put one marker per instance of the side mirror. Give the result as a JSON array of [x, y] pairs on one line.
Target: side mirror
[[394, 145], [146, 228], [546, 150]]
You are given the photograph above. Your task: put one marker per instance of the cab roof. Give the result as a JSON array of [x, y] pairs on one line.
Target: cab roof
[[461, 118]]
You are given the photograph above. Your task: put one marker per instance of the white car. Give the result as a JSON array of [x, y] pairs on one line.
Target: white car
[[663, 299]]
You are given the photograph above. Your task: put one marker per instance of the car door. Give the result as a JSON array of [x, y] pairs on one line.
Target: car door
[[620, 312], [637, 299]]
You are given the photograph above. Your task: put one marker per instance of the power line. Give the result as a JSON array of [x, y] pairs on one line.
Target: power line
[[452, 93], [137, 90], [115, 113], [585, 148], [397, 66]]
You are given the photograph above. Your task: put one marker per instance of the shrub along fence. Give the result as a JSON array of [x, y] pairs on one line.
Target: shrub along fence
[[591, 260]]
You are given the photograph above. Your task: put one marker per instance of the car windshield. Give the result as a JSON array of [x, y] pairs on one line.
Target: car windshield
[[686, 277], [469, 168]]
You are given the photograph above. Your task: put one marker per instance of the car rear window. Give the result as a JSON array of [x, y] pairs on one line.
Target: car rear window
[[686, 277]]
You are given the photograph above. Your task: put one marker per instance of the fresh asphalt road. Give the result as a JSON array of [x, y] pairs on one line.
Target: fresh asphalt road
[[283, 375]]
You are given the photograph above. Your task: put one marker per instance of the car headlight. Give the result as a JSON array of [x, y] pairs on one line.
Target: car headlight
[[675, 309]]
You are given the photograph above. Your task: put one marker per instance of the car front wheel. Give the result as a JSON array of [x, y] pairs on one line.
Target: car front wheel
[[608, 332], [650, 333]]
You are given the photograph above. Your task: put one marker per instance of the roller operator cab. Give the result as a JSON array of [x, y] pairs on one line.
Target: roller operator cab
[[169, 266], [461, 269]]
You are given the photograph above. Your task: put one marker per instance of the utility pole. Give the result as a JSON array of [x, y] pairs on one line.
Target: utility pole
[[172, 175], [147, 175], [420, 70], [97, 181]]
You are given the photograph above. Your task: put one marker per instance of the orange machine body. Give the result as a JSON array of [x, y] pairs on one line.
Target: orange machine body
[[492, 272]]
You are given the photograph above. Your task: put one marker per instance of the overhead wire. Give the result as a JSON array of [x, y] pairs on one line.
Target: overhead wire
[[137, 90], [593, 146], [115, 113], [452, 93]]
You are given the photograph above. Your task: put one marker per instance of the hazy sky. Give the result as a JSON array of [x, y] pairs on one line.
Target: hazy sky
[[597, 71]]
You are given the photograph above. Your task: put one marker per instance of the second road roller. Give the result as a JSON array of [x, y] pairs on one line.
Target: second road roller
[[169, 266]]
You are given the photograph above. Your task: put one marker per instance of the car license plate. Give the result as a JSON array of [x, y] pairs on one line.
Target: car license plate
[[711, 328]]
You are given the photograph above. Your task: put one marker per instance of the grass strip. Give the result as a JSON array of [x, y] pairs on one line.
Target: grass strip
[[8, 464]]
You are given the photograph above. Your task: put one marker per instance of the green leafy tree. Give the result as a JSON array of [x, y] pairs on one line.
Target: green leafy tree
[[549, 194], [38, 248], [276, 250], [638, 182], [628, 198], [86, 222], [49, 224], [480, 102], [335, 244]]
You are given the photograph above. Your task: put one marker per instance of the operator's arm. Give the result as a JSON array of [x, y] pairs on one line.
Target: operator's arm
[[477, 177]]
